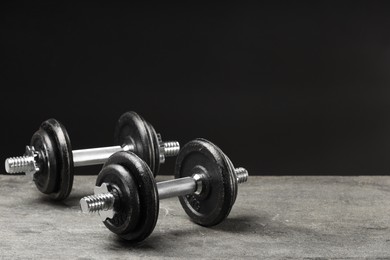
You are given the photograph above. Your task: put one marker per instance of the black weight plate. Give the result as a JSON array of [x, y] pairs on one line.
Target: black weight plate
[[64, 158], [46, 178], [133, 129], [155, 149], [55, 176], [211, 209], [126, 208], [233, 176], [231, 170], [147, 193]]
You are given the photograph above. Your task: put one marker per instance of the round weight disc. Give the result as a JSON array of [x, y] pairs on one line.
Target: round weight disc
[[56, 176], [132, 129], [156, 148], [233, 176], [46, 178], [147, 196], [127, 206], [215, 207]]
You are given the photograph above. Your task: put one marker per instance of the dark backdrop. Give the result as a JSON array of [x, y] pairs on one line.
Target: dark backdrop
[[282, 88]]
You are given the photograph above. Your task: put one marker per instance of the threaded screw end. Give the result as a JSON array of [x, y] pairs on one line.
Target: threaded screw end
[[96, 203], [242, 175], [21, 164], [171, 148]]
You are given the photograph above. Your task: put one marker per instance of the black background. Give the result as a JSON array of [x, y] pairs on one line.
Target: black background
[[282, 88]]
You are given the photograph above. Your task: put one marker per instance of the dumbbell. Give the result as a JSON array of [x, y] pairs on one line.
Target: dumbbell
[[126, 196], [50, 159]]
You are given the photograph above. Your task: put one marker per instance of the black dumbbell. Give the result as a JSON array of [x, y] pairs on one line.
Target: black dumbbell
[[50, 159], [127, 196]]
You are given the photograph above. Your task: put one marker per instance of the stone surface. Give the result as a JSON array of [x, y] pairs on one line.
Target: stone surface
[[274, 217]]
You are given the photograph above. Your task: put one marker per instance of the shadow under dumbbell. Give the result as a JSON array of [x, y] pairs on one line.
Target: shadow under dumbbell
[[159, 241], [153, 243], [239, 225]]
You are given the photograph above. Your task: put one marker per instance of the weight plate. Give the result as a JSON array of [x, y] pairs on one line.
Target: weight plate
[[132, 129], [56, 176], [233, 176], [147, 196], [155, 149], [46, 178], [202, 156], [126, 208]]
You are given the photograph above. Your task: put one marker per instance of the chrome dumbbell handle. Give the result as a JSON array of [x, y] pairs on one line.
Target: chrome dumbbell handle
[[83, 157]]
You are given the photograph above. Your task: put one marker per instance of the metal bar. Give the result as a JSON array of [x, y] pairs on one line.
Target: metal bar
[[177, 187], [94, 156]]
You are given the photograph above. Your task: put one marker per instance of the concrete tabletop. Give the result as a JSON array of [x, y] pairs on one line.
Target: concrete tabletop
[[273, 217]]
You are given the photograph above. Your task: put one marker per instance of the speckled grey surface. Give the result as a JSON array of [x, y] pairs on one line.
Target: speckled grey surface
[[274, 217]]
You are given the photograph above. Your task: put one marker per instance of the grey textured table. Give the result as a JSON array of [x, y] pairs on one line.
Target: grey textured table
[[279, 217]]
